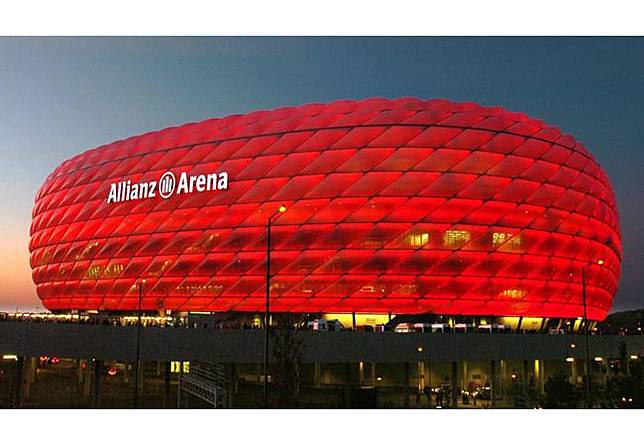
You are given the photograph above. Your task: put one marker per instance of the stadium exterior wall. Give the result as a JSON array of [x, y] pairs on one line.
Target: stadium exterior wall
[[403, 206]]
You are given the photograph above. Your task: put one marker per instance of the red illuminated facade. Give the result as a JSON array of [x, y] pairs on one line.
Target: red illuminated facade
[[403, 206]]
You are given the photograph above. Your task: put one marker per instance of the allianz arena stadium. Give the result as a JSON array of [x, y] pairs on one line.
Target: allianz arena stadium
[[401, 206]]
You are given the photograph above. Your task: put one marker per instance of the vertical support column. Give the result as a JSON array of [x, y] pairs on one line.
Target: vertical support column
[[361, 373], [17, 396], [258, 373], [98, 365], [79, 387], [406, 385], [372, 374], [454, 384], [422, 379], [353, 321], [29, 377], [347, 386], [87, 382], [79, 365], [139, 372], [542, 376], [179, 383], [166, 385], [232, 386], [429, 382], [316, 375], [605, 375], [493, 391], [573, 372], [464, 376], [524, 378], [504, 377], [535, 370]]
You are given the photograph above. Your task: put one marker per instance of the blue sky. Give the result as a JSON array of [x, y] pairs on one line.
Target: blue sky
[[60, 96]]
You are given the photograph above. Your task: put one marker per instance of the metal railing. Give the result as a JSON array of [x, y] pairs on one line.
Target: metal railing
[[205, 381]]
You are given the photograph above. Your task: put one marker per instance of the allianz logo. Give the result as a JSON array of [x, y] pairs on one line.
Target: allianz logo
[[166, 186]]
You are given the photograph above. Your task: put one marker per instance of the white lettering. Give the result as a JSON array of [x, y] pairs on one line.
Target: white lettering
[[222, 183], [211, 182], [126, 190], [183, 184], [143, 190], [111, 198], [134, 192], [201, 183]]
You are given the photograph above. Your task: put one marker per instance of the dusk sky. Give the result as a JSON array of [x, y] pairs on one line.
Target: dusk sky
[[62, 96]]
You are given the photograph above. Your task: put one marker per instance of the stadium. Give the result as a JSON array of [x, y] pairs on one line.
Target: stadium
[[377, 207]]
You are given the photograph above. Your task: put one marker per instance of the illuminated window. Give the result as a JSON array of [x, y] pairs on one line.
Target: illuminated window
[[279, 285], [87, 252], [205, 243], [408, 289], [175, 366], [372, 243], [456, 238], [513, 293], [368, 289], [212, 288], [157, 268], [94, 272], [113, 270], [417, 240], [507, 239]]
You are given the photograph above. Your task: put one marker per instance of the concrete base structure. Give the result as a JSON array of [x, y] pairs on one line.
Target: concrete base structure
[[321, 385], [344, 369]]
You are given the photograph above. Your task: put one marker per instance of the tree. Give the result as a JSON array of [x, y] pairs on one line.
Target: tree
[[623, 362], [560, 394], [286, 366]]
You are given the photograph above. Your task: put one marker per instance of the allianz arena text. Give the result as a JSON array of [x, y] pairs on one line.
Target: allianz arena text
[[400, 206]]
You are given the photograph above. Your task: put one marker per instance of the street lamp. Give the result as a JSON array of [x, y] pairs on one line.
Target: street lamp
[[138, 349], [279, 210], [587, 352]]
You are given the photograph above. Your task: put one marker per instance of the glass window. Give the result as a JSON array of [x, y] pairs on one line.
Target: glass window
[[417, 240], [453, 238]]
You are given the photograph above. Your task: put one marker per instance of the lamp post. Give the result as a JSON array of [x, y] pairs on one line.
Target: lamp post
[[279, 210], [138, 349], [586, 340]]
